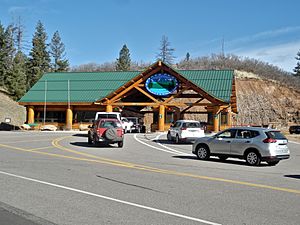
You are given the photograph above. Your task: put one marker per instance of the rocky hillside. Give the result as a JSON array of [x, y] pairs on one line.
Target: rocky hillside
[[10, 109], [263, 101]]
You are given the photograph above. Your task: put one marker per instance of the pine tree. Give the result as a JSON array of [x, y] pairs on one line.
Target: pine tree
[[124, 61], [166, 53], [39, 56], [297, 68], [19, 75], [57, 51], [9, 51], [187, 57], [2, 55]]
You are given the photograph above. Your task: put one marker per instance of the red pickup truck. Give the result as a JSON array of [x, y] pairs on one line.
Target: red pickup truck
[[107, 131]]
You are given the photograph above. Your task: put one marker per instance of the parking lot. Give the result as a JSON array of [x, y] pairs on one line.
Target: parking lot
[[59, 178]]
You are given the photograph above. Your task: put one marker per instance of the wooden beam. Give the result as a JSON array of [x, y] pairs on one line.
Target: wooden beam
[[190, 96], [134, 104], [178, 93], [130, 85], [147, 94], [55, 103], [194, 87], [199, 100], [195, 112]]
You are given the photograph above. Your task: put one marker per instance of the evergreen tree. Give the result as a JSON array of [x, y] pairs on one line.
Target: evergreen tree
[[19, 75], [39, 56], [124, 61], [9, 52], [187, 57], [2, 55], [57, 51], [297, 68], [166, 53]]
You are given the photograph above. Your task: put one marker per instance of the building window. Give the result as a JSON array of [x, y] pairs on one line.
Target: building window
[[210, 118], [224, 118], [52, 117], [81, 116]]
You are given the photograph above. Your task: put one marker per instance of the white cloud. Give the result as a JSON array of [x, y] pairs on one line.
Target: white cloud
[[266, 35], [18, 9], [282, 55]]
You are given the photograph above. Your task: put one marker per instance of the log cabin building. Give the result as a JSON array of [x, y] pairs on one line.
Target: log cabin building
[[159, 95]]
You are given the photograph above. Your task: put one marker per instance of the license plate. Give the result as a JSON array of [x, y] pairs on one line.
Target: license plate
[[281, 151]]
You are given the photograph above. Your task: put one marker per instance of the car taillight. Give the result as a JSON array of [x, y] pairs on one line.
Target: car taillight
[[269, 140], [183, 128], [99, 132]]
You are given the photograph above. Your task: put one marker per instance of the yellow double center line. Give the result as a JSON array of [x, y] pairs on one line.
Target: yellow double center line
[[56, 144], [96, 159]]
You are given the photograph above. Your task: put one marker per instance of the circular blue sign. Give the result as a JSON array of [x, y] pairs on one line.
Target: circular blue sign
[[161, 84]]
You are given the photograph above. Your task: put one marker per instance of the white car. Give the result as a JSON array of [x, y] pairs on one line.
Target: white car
[[185, 130], [126, 124]]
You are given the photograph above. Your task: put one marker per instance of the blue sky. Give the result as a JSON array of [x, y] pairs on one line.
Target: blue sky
[[95, 30]]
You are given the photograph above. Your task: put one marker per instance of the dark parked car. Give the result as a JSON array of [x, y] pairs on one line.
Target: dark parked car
[[294, 129], [137, 125], [107, 131]]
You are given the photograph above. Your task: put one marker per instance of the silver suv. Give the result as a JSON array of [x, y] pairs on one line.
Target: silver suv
[[250, 143]]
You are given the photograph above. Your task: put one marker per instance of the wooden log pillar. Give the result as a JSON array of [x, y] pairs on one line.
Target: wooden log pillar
[[30, 114], [161, 118], [229, 119], [216, 121], [69, 119], [109, 108]]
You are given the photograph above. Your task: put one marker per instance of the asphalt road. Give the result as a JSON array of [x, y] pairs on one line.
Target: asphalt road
[[57, 178]]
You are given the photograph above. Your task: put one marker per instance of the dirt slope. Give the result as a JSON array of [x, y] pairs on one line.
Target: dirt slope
[[261, 102]]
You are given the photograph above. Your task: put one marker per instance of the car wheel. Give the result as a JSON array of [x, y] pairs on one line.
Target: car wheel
[[169, 136], [120, 144], [223, 158], [177, 140], [273, 163], [202, 152], [90, 139], [253, 158]]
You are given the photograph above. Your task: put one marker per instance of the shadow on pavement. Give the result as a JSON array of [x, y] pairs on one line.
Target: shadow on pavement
[[162, 141], [80, 135], [228, 161], [87, 145], [293, 176]]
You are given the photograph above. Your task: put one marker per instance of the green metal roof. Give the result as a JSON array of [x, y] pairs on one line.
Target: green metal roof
[[90, 87], [83, 87], [218, 83]]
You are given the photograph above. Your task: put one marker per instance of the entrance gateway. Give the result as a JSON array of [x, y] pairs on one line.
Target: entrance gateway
[[160, 95]]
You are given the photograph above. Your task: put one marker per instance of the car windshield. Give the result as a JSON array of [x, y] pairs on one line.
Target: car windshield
[[191, 125], [275, 135], [101, 116], [110, 124], [134, 120]]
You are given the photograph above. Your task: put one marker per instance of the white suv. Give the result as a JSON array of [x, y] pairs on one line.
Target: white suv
[[126, 124], [185, 130]]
